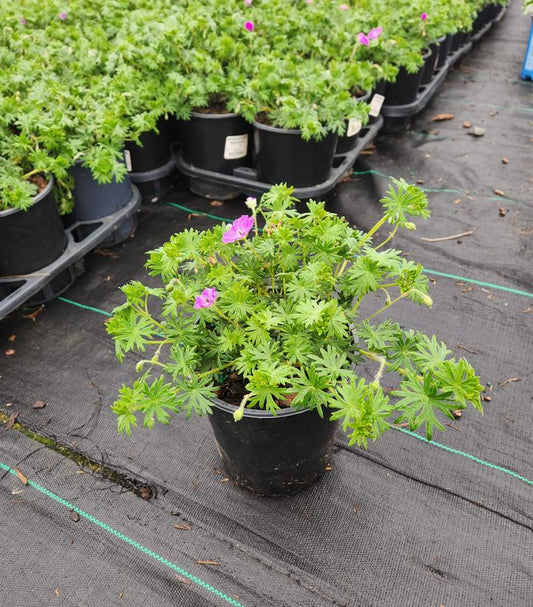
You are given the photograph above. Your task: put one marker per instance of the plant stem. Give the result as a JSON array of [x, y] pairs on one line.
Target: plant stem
[[390, 236], [34, 172], [373, 230], [211, 371], [387, 306]]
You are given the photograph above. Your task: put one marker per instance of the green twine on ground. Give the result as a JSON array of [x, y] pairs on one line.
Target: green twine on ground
[[479, 282], [83, 306], [178, 206], [128, 540], [467, 455]]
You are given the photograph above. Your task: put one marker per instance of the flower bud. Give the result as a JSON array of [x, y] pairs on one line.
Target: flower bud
[[139, 366], [251, 203], [427, 301], [238, 414], [409, 225]]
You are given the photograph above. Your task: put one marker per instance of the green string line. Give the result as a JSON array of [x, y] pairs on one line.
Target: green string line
[[178, 206], [467, 455], [83, 306], [126, 539], [438, 190], [479, 282]]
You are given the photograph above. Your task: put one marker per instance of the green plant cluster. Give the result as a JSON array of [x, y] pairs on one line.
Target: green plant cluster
[[81, 78], [294, 318]]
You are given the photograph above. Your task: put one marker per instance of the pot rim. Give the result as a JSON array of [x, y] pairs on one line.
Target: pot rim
[[37, 198], [208, 116], [259, 413], [277, 129]]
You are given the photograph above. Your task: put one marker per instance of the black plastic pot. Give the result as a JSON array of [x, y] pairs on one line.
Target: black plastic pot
[[457, 41], [154, 151], [444, 50], [282, 156], [405, 89], [273, 455], [217, 142], [32, 239], [431, 63], [352, 129], [93, 200]]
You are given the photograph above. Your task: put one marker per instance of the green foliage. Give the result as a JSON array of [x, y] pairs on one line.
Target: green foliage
[[77, 89], [287, 318]]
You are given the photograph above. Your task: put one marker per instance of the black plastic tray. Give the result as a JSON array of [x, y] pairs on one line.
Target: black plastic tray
[[244, 179], [16, 290], [157, 182], [427, 91]]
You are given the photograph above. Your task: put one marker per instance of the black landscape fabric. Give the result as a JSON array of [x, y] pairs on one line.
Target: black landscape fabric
[[403, 523]]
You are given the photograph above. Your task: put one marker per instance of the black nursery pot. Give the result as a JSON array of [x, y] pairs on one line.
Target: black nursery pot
[[273, 455], [282, 156], [457, 41], [431, 62], [405, 89], [444, 50], [93, 200], [32, 239], [155, 149], [353, 128], [217, 142]]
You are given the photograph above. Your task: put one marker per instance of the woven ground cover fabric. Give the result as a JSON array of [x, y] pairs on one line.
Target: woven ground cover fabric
[[403, 523]]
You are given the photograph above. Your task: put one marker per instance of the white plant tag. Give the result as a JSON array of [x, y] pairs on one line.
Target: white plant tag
[[236, 147], [375, 105], [127, 160], [354, 126]]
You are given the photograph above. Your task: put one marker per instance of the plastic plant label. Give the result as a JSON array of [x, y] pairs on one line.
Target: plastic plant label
[[236, 147], [354, 126], [376, 105], [127, 160]]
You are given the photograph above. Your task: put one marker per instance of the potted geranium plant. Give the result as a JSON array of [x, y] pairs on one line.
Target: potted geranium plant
[[265, 324]]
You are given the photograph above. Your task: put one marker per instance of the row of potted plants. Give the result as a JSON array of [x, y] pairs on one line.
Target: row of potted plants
[[78, 85]]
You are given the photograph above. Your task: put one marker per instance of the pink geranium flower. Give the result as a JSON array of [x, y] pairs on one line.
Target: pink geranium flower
[[375, 33], [248, 2], [423, 16], [344, 7], [363, 39], [249, 25], [63, 16], [23, 21], [239, 229], [206, 298]]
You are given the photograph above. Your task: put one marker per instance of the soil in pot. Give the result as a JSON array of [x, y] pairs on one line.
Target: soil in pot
[[282, 156], [217, 142], [32, 239], [405, 89], [353, 127], [272, 455]]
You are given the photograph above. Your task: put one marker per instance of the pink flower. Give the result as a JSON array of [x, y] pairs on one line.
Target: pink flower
[[247, 2], [424, 16], [206, 298], [23, 21], [238, 230], [309, 1], [62, 16], [363, 39], [249, 25], [344, 7], [375, 33]]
